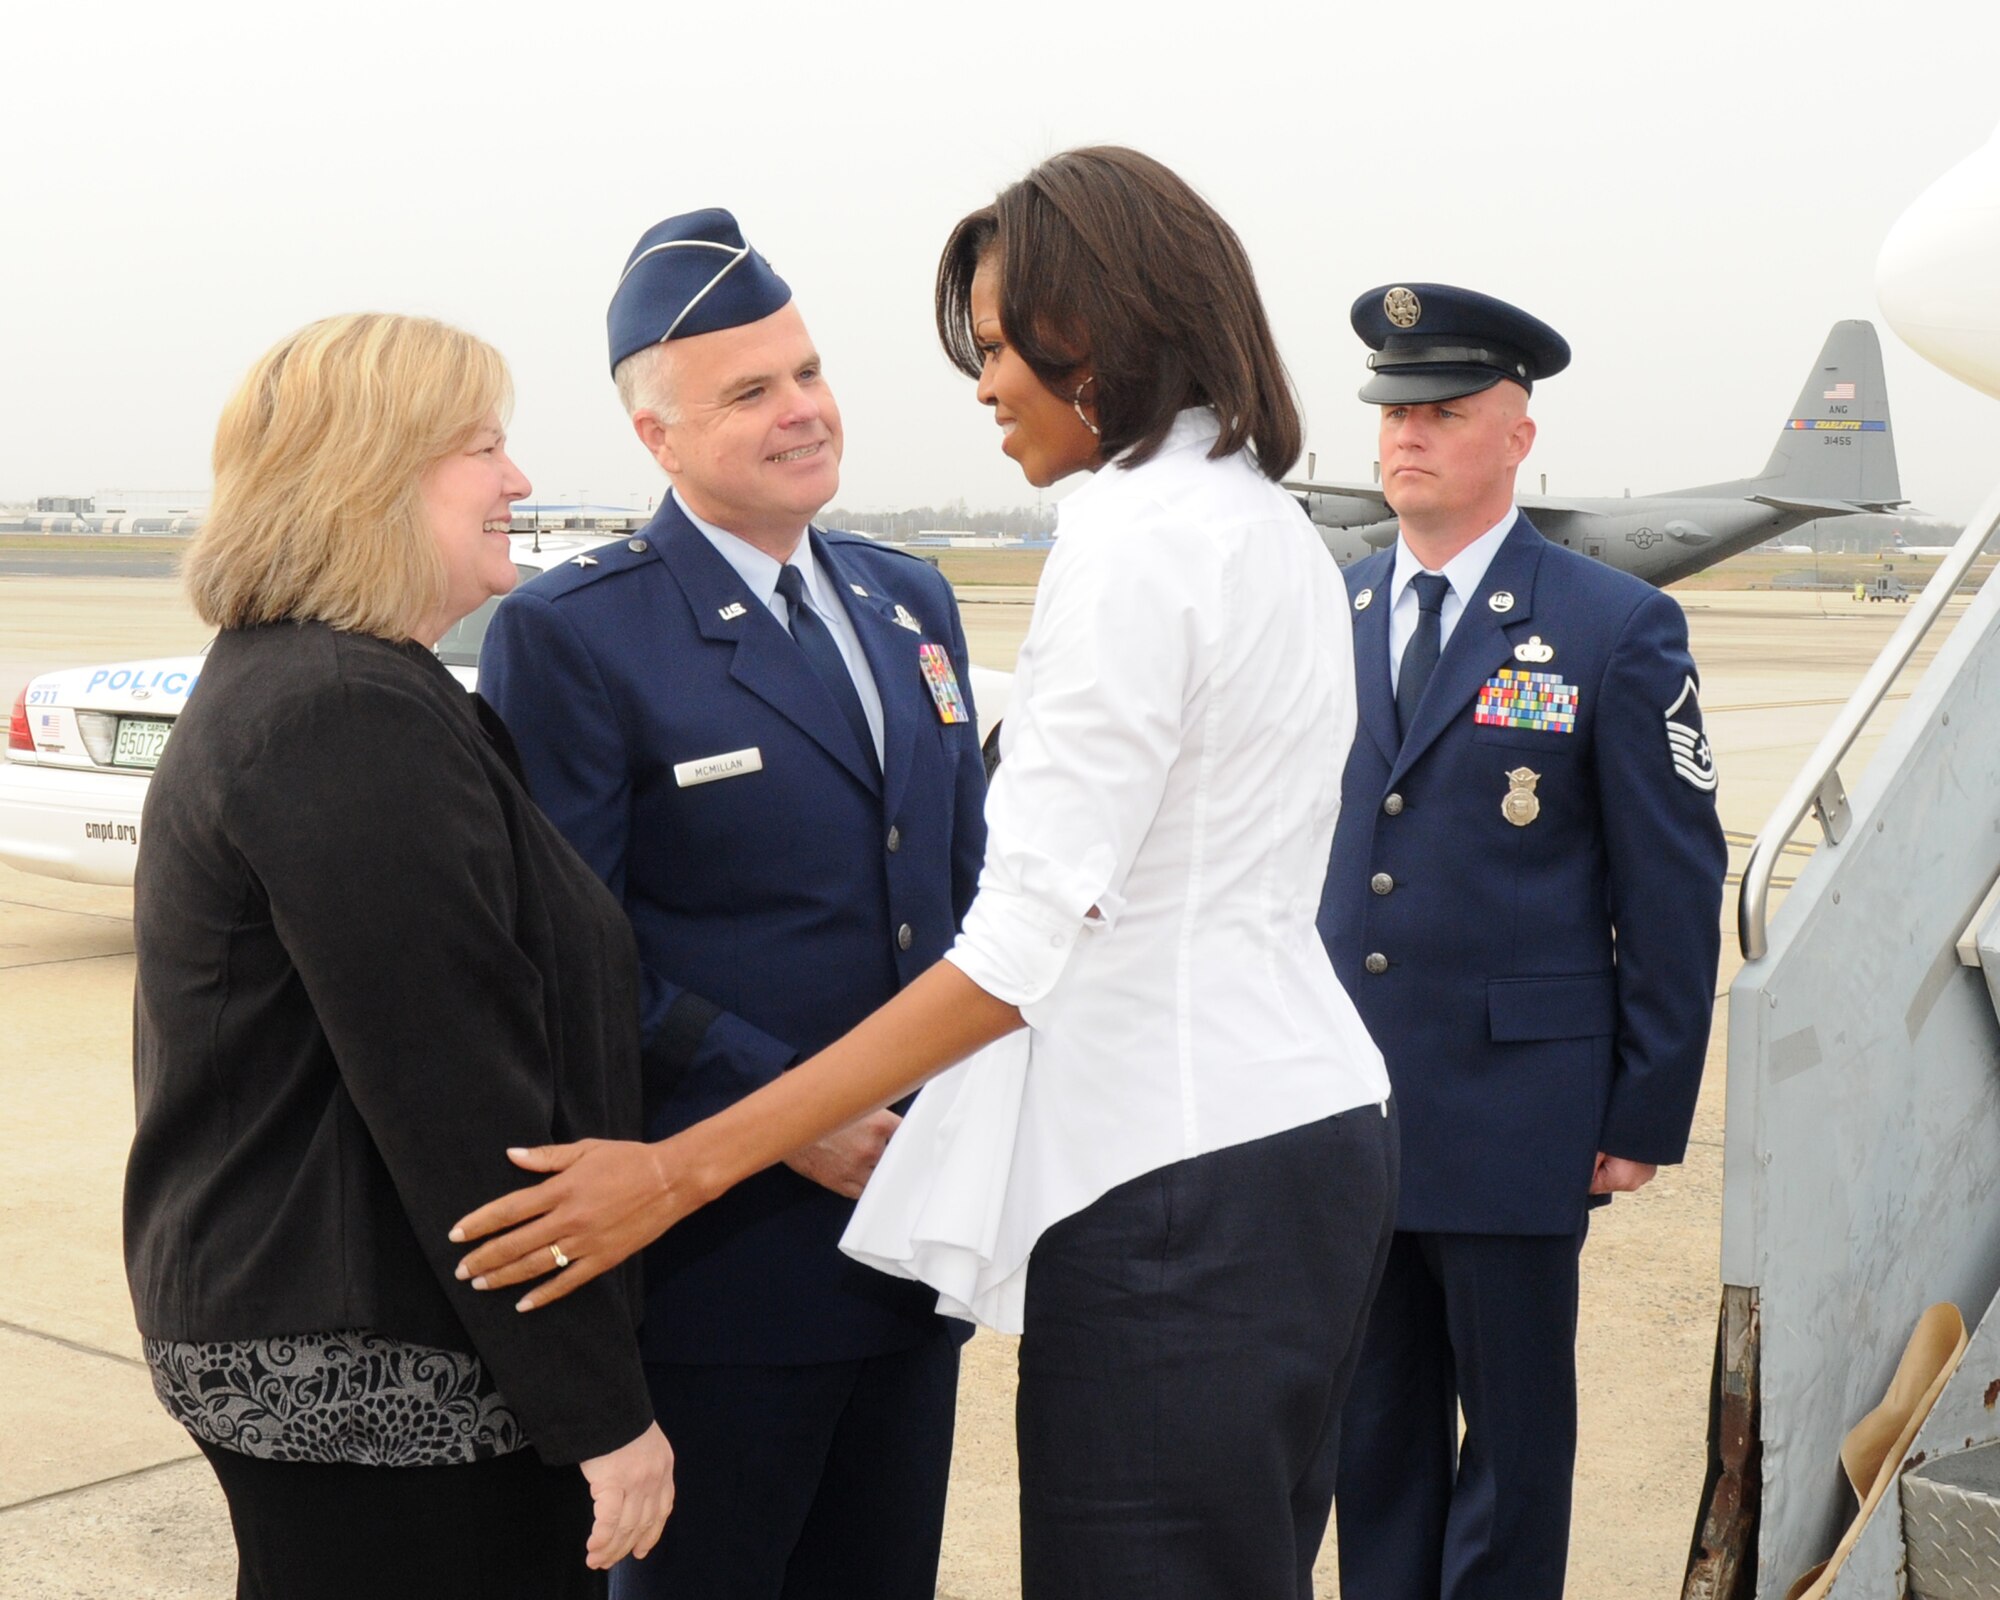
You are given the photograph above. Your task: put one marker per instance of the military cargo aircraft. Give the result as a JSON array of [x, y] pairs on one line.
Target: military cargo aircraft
[[1835, 457]]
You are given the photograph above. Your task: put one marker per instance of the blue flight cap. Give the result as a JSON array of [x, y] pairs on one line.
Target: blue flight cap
[[1433, 342], [690, 274]]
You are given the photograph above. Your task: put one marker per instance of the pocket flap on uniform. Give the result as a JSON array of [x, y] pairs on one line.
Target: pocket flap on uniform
[[1581, 1007]]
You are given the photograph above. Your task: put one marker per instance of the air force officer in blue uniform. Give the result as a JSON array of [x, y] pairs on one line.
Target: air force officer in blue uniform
[[1524, 903], [761, 735]]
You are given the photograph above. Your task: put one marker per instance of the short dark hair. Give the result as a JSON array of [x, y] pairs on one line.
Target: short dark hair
[[1108, 258]]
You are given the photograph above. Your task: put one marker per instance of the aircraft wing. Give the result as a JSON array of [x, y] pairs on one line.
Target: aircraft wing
[[1347, 491], [1373, 491], [1822, 508]]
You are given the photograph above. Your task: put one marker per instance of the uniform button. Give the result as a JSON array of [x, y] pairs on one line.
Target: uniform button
[[1381, 883], [1393, 806], [904, 938], [1377, 963], [895, 839]]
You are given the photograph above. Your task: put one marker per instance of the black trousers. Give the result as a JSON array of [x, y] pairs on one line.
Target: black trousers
[[822, 1482], [1189, 1340], [506, 1529], [1484, 1323]]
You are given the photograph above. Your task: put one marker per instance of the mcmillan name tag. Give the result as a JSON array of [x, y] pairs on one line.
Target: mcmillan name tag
[[709, 768]]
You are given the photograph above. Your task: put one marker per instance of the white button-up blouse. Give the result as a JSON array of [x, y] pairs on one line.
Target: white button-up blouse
[[1158, 835]]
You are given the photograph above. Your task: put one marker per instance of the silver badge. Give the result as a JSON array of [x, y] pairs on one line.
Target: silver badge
[[1688, 745], [731, 612], [905, 620], [636, 546], [1520, 806], [583, 561], [1534, 650], [1364, 600], [859, 590], [1500, 600], [1402, 307]]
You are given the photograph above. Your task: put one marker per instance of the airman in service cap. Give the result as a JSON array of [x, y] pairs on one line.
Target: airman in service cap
[[690, 274], [1434, 342]]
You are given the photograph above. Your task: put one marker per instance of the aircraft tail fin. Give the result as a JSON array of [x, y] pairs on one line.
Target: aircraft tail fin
[[1837, 443]]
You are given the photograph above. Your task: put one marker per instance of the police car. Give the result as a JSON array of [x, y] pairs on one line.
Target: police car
[[81, 743]]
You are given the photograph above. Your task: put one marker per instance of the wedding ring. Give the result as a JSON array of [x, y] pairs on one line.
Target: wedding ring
[[556, 1251]]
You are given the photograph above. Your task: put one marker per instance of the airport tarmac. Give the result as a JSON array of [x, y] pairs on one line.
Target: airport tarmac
[[101, 1495]]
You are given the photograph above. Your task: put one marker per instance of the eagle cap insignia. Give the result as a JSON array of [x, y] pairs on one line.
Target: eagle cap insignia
[[1402, 307], [1520, 806]]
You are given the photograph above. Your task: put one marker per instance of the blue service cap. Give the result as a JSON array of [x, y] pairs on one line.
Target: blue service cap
[[1434, 342], [690, 274]]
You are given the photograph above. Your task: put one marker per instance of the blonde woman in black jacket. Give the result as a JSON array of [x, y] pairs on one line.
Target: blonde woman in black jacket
[[366, 966]]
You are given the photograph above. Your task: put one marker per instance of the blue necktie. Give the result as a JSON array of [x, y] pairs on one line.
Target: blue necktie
[[1420, 655], [825, 658]]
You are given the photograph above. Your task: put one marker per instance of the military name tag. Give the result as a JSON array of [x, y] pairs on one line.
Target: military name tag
[[942, 682], [709, 768], [1539, 701], [1521, 806]]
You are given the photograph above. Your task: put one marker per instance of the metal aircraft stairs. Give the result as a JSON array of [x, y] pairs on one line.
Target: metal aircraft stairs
[[1862, 1148]]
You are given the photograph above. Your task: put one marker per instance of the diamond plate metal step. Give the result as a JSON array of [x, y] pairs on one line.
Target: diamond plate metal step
[[1951, 1527]]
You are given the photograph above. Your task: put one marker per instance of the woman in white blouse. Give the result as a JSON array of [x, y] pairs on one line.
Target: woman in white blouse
[[1177, 1180]]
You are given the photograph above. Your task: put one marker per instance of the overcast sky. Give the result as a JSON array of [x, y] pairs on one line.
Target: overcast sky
[[1691, 193]]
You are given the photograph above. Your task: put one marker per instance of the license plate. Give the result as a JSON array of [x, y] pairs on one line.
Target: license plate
[[140, 741]]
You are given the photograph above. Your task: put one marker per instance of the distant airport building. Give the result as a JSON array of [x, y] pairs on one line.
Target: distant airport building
[[962, 539], [66, 504], [549, 517]]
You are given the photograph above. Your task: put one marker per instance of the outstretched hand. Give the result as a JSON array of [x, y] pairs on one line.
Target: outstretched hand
[[605, 1199]]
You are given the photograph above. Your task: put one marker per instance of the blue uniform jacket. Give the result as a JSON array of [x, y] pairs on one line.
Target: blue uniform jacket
[[775, 907], [1540, 991]]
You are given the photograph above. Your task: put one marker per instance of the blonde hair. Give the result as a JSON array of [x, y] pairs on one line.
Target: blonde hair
[[319, 462]]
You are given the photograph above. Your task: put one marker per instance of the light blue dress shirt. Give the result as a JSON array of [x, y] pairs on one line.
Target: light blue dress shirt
[[760, 575]]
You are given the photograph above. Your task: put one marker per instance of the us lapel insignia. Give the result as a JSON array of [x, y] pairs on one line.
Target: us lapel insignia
[[1535, 651], [942, 682], [1364, 600], [1520, 806], [905, 620], [1500, 600], [731, 612]]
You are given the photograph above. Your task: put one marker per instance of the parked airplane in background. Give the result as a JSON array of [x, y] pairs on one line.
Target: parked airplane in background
[[1922, 552], [1835, 457]]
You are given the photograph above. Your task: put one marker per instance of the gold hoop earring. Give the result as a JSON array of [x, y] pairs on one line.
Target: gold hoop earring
[[1076, 402]]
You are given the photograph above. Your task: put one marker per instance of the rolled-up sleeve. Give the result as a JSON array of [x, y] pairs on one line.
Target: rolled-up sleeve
[[1119, 641]]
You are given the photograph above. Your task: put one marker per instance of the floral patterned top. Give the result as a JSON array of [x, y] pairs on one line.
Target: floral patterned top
[[349, 1396]]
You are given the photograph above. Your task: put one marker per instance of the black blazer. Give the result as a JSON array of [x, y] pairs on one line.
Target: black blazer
[[367, 965]]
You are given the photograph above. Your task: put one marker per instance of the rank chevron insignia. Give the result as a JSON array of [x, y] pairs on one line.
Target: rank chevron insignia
[[1693, 759]]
